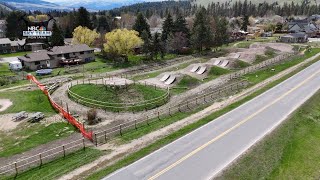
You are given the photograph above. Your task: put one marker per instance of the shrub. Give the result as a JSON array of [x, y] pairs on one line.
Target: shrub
[[92, 116]]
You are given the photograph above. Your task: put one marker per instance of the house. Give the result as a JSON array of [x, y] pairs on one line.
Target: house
[[58, 56], [17, 45], [294, 38], [296, 26], [5, 45]]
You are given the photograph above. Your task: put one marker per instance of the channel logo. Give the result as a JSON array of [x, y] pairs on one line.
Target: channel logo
[[37, 31]]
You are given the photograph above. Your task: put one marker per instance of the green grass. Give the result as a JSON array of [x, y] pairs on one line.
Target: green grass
[[264, 74], [290, 152], [30, 101], [244, 44], [14, 54], [186, 83], [4, 70], [30, 135], [59, 167], [241, 64], [215, 72], [175, 135], [132, 94]]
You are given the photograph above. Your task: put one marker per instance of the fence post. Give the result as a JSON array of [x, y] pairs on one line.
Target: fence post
[[40, 157], [148, 120], [179, 107], [120, 129], [64, 151], [16, 167], [159, 115], [188, 105], [204, 98], [135, 124], [169, 111], [197, 100], [95, 137], [84, 144]]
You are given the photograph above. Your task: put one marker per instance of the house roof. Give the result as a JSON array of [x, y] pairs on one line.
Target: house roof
[[35, 56], [45, 54], [5, 41], [69, 49], [296, 35], [18, 42]]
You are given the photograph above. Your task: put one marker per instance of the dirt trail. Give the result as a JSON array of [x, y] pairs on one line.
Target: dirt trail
[[119, 152]]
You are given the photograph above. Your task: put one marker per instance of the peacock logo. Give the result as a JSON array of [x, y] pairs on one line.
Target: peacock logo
[[42, 28]]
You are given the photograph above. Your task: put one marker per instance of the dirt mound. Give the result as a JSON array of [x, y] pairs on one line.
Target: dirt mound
[[277, 46]]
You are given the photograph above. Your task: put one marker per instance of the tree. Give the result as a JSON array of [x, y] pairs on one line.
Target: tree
[[202, 35], [57, 36], [178, 41], [121, 42], [221, 35], [147, 45], [15, 25], [141, 25], [83, 18], [83, 35], [167, 28], [245, 23], [68, 33], [156, 45], [180, 25], [103, 25]]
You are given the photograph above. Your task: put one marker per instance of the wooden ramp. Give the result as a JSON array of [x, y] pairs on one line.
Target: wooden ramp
[[170, 80], [195, 68], [202, 70], [165, 77]]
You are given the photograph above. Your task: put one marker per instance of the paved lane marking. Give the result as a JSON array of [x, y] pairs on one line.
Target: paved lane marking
[[232, 128]]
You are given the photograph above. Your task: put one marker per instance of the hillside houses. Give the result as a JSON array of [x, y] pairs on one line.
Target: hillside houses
[[309, 27]]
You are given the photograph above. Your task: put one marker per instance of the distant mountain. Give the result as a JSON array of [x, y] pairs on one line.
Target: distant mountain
[[32, 5], [97, 4], [47, 5], [206, 2]]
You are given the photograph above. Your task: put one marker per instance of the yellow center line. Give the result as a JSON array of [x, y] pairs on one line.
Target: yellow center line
[[229, 130]]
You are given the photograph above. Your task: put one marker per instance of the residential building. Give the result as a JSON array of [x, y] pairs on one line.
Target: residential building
[[5, 45], [58, 56], [309, 27], [294, 38]]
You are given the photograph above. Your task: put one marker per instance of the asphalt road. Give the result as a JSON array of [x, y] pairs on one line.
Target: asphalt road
[[203, 153]]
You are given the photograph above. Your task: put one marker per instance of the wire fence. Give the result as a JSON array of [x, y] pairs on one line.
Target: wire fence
[[44, 157], [211, 94], [141, 105]]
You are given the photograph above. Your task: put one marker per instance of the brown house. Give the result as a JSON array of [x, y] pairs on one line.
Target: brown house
[[58, 56]]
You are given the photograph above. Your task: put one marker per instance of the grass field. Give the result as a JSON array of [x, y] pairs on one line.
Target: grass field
[[30, 101], [30, 135], [175, 135], [215, 72], [59, 167], [4, 70], [186, 83], [290, 152], [132, 94]]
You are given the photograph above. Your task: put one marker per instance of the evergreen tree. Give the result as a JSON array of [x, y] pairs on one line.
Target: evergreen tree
[[15, 25], [57, 36], [201, 32], [68, 32], [221, 35], [147, 45], [141, 25], [103, 24], [245, 23], [167, 28], [94, 21], [156, 45], [180, 25], [83, 18]]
